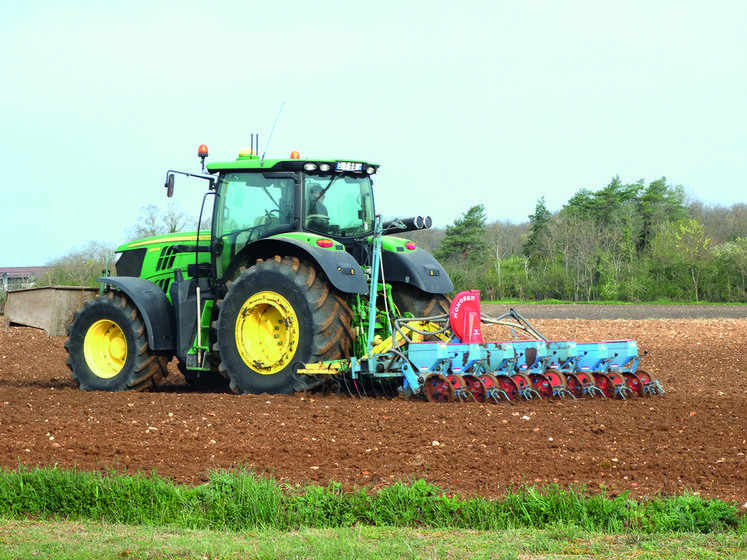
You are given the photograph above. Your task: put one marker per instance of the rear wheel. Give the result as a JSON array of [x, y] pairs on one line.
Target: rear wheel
[[108, 348], [410, 299], [277, 315], [419, 304]]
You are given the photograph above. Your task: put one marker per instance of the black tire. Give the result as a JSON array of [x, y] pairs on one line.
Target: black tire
[[108, 348], [277, 314], [410, 299]]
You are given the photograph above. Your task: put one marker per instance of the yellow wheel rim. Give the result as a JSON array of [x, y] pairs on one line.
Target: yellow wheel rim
[[105, 348], [267, 332]]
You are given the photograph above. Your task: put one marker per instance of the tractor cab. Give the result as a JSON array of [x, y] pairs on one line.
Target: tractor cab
[[327, 202], [338, 205]]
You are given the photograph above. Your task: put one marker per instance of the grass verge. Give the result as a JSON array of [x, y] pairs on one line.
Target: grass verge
[[241, 500]]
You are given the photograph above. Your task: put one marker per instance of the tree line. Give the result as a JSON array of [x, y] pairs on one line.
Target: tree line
[[633, 242], [625, 242]]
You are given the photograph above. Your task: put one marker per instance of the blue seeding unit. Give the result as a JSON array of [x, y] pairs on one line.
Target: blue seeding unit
[[456, 364]]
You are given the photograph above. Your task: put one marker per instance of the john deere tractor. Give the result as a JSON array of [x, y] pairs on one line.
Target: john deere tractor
[[281, 280]]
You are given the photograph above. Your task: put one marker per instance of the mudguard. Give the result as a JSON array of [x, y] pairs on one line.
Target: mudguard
[[153, 305], [340, 267], [418, 268]]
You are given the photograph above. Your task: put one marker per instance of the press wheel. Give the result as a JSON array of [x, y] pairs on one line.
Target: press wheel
[[509, 386], [574, 385], [475, 387], [438, 389], [541, 385], [557, 381], [634, 383], [604, 384], [524, 384]]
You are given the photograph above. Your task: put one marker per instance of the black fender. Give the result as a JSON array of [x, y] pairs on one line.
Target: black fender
[[418, 268], [340, 267], [154, 306]]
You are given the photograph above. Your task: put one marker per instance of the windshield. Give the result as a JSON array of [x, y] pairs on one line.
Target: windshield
[[250, 205], [338, 205]]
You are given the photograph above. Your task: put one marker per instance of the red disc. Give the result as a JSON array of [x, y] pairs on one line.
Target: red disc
[[509, 386], [605, 384], [634, 383], [541, 385], [438, 389], [587, 382], [456, 381], [557, 381], [574, 385], [476, 387], [523, 383]]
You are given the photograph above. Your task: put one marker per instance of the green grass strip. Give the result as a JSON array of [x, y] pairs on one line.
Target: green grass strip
[[242, 500]]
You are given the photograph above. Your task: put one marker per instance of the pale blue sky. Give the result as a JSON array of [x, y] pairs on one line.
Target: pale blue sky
[[495, 102]]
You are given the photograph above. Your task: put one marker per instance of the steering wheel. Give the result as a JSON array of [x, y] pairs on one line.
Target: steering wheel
[[319, 217]]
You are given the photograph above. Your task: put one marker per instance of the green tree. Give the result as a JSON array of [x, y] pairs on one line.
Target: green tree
[[464, 241], [660, 203], [464, 252], [731, 258], [537, 247], [684, 248], [605, 205]]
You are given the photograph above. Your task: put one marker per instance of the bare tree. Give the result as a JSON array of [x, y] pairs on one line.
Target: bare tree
[[156, 221], [176, 219], [580, 241]]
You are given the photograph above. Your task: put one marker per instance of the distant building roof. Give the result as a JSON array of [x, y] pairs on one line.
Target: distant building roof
[[23, 271]]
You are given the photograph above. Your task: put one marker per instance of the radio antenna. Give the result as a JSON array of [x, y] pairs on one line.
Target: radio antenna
[[271, 131]]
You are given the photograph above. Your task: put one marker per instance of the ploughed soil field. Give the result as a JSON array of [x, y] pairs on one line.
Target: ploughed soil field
[[693, 438]]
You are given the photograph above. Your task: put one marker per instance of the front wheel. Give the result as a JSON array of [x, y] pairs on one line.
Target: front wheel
[[276, 315], [108, 348]]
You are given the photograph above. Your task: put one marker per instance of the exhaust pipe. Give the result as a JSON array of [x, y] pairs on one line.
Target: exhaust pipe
[[401, 225]]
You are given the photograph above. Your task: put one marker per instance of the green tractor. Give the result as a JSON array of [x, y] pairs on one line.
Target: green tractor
[[282, 279]]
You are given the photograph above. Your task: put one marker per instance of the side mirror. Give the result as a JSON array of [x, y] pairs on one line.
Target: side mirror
[[217, 247], [169, 185]]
